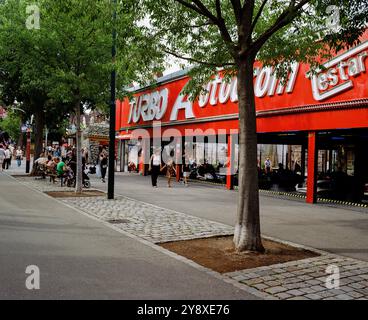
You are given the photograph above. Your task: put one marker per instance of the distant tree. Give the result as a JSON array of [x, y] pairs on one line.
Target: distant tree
[[79, 35], [24, 68], [11, 124], [68, 59]]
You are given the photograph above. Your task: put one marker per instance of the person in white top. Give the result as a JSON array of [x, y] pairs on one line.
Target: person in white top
[[42, 160], [11, 148], [19, 156], [7, 158], [155, 166], [2, 156]]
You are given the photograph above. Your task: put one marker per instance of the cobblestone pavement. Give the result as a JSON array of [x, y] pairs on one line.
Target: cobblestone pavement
[[296, 280], [149, 222], [306, 279], [144, 220]]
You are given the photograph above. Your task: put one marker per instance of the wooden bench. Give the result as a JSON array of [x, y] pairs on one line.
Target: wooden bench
[[52, 174]]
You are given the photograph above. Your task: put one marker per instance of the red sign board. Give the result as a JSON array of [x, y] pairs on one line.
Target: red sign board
[[299, 103]]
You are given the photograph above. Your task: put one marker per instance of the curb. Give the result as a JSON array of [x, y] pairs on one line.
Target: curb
[[346, 203], [282, 193], [319, 200]]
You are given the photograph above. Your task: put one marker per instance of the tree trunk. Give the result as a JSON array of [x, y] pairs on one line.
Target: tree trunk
[[20, 140], [247, 235], [38, 134], [78, 174]]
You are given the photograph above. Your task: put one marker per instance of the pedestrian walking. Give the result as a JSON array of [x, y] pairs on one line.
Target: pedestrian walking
[[2, 157], [103, 164], [7, 158], [170, 171], [11, 148], [19, 156], [155, 166]]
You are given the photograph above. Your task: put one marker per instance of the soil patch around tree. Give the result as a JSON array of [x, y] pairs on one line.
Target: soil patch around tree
[[72, 194], [218, 253]]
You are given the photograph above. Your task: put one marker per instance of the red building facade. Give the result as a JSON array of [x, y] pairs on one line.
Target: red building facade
[[324, 111]]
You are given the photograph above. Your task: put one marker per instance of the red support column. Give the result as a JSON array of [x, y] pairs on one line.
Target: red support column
[[178, 169], [230, 163], [312, 168]]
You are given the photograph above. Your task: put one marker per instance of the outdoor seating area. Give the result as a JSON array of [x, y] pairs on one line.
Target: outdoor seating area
[[44, 171]]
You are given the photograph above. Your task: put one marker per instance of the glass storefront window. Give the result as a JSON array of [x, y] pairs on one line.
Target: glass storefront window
[[132, 158]]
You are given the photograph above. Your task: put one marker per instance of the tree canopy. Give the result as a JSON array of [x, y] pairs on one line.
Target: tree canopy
[[212, 34], [63, 62]]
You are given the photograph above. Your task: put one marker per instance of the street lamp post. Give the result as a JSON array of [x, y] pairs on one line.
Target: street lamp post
[[111, 176]]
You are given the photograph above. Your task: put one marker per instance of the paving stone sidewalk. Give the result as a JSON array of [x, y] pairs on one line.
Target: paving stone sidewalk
[[296, 280], [150, 222], [306, 279], [144, 220]]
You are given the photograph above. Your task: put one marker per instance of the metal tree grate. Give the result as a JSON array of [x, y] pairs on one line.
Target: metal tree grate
[[118, 221]]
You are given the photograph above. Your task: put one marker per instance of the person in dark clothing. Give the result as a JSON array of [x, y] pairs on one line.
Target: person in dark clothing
[[103, 164], [155, 167], [73, 163]]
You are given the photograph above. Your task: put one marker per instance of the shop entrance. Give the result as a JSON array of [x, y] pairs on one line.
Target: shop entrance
[[339, 166], [342, 168]]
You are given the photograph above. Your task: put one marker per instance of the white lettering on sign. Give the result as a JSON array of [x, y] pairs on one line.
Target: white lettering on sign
[[182, 102], [214, 94], [203, 98], [152, 106], [268, 84], [224, 93], [338, 73], [149, 106], [263, 81], [234, 90]]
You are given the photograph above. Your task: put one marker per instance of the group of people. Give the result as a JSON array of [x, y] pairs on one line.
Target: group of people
[[7, 153], [64, 152], [59, 166], [69, 156], [54, 158], [156, 167], [52, 165]]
